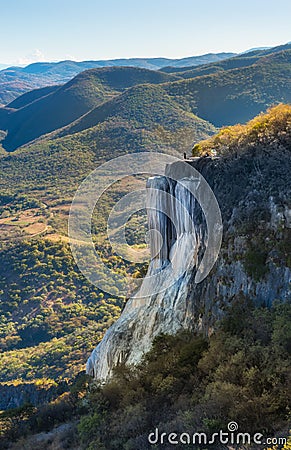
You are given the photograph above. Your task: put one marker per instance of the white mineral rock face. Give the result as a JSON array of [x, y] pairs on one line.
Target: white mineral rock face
[[169, 300], [159, 306]]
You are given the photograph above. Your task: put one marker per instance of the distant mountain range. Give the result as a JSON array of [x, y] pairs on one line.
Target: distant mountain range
[[14, 81], [200, 98], [244, 59]]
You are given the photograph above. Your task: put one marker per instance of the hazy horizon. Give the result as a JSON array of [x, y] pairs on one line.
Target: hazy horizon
[[49, 32], [2, 65]]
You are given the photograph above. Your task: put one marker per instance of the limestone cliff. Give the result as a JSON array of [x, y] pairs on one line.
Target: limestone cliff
[[253, 191]]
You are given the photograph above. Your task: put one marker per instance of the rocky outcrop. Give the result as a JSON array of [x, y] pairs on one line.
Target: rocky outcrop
[[253, 203]]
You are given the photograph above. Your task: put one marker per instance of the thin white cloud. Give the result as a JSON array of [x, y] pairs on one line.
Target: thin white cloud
[[70, 57], [35, 56]]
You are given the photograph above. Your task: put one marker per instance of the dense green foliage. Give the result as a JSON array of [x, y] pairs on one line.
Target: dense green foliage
[[63, 105], [186, 383], [240, 373], [234, 96], [43, 295], [50, 315], [145, 107], [31, 96], [57, 166]]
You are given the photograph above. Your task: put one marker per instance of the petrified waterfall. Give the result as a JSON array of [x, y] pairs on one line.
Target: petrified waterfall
[[162, 305], [172, 296]]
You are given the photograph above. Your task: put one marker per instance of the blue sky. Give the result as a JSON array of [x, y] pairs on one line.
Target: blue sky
[[50, 30]]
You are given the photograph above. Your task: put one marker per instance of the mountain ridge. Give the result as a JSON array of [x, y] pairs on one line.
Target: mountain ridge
[[18, 80], [221, 98], [241, 60], [65, 103], [240, 102], [236, 95]]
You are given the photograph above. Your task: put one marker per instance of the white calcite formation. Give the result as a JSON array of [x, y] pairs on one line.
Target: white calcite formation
[[169, 299]]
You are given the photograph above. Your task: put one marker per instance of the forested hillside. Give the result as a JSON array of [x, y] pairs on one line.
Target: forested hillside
[[232, 92], [239, 372], [58, 107], [15, 81]]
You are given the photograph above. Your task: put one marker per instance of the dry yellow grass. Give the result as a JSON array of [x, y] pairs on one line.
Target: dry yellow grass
[[274, 123]]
